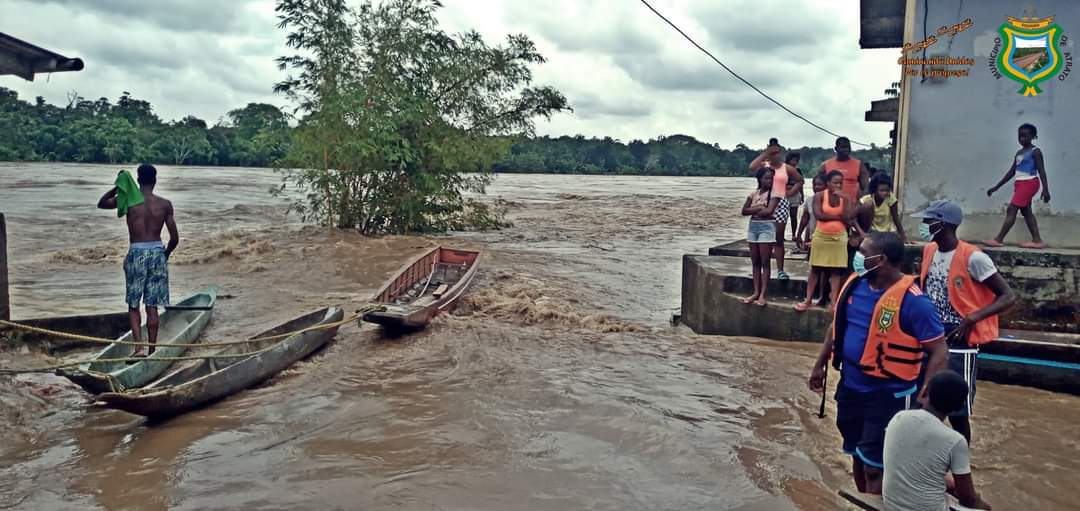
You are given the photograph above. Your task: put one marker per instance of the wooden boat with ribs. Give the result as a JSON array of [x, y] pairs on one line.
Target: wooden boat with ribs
[[430, 285]]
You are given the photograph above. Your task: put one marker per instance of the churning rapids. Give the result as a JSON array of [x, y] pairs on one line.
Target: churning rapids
[[557, 384]]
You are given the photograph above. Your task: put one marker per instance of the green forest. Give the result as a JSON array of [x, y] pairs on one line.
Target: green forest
[[259, 135], [129, 131], [675, 155]]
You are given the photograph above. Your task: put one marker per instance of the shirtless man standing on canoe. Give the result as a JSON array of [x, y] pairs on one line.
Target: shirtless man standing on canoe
[[146, 269]]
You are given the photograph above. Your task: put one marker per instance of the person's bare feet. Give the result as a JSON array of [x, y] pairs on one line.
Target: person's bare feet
[[803, 306], [1037, 245], [993, 243], [750, 299], [139, 352], [761, 302]]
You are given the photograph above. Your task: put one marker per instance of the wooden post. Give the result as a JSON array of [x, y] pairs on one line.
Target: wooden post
[[5, 305]]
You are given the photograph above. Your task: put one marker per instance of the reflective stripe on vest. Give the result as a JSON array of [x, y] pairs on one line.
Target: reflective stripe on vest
[[889, 352], [965, 294]]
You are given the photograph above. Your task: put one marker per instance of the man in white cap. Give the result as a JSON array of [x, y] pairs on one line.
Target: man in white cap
[[968, 292]]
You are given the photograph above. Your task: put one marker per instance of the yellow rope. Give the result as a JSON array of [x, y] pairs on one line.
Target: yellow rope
[[51, 368], [218, 344]]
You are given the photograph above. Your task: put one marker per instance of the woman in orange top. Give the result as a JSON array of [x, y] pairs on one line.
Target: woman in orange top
[[833, 211]]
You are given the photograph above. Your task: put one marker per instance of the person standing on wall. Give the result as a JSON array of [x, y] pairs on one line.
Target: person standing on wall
[[856, 173], [1029, 170], [807, 227], [834, 213], [856, 182], [968, 292], [795, 194], [883, 328], [760, 206], [783, 174]]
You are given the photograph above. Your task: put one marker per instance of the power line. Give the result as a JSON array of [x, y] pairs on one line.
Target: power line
[[743, 80]]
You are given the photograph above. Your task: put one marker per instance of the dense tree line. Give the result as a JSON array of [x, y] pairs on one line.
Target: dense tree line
[[259, 135], [675, 155], [129, 131]]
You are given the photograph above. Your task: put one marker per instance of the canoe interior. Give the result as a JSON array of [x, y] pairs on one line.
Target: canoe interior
[[197, 369], [172, 324], [424, 288], [200, 383], [416, 285], [869, 502]]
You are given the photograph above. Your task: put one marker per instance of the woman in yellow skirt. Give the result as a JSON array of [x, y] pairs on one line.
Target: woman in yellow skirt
[[833, 213]]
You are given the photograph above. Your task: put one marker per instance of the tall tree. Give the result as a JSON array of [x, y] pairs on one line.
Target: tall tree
[[401, 118]]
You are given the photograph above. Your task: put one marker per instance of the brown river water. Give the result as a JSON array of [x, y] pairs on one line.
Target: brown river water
[[557, 384]]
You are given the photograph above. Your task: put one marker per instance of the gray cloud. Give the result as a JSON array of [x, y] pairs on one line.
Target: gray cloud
[[681, 74], [588, 27], [590, 106], [627, 74], [173, 15], [763, 26], [739, 101]]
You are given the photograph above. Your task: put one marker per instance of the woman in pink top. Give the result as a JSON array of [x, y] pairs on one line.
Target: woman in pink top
[[770, 158]]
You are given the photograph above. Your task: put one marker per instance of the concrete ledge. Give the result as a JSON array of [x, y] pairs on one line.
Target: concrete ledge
[[1047, 282], [711, 302], [713, 288], [109, 326]]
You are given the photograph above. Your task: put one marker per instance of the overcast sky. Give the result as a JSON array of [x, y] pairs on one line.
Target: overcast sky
[[626, 73]]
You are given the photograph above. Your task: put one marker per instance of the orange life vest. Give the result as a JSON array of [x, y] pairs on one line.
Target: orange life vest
[[889, 351], [965, 294]]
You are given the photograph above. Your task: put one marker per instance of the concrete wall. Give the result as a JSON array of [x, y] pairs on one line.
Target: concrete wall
[[961, 131], [1047, 284], [109, 326], [710, 303]]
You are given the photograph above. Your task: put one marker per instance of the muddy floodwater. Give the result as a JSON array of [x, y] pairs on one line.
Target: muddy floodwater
[[557, 384]]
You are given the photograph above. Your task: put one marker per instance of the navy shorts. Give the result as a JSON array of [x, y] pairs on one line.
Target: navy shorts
[[862, 418]]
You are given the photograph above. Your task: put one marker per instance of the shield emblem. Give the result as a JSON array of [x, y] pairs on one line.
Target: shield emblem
[[889, 307], [885, 320], [1032, 52]]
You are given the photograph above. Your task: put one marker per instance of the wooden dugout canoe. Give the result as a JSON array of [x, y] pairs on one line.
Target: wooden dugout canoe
[[180, 325], [869, 502], [201, 382]]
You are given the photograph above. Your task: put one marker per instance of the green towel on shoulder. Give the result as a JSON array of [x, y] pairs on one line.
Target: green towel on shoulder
[[127, 193]]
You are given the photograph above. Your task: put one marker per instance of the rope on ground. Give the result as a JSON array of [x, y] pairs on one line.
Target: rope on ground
[[52, 368], [216, 344]]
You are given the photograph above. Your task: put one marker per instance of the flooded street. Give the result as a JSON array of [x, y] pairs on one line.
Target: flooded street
[[557, 384]]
